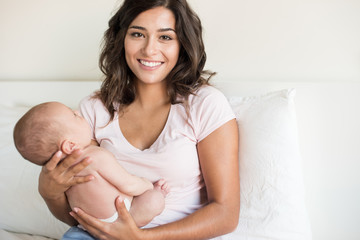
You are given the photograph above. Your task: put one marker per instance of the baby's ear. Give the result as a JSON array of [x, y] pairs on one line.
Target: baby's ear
[[67, 146]]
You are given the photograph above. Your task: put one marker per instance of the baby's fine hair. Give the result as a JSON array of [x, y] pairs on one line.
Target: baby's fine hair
[[36, 135]]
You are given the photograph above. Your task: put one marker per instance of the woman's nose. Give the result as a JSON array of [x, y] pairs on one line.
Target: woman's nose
[[150, 47]]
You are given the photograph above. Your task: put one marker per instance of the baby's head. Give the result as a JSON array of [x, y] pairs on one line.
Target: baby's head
[[47, 128]]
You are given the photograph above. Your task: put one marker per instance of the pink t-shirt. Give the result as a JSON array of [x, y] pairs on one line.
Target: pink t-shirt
[[173, 156]]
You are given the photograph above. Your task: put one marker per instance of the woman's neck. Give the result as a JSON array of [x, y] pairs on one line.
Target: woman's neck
[[149, 96]]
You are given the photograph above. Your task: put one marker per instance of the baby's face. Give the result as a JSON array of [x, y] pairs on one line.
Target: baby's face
[[74, 125]]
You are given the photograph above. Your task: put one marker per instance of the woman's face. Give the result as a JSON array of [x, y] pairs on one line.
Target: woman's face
[[151, 45]]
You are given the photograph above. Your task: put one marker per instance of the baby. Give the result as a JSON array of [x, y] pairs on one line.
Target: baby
[[52, 126]]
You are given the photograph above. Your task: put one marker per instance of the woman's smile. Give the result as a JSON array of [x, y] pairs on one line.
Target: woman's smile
[[152, 65]]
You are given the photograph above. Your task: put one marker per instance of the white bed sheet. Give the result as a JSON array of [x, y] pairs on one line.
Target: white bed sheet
[[5, 235]]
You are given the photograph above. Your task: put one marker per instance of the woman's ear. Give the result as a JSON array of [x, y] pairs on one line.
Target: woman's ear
[[67, 146]]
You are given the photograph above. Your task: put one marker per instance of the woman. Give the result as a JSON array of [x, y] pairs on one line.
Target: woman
[[158, 115]]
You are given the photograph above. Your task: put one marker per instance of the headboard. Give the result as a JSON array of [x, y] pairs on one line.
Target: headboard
[[29, 93]]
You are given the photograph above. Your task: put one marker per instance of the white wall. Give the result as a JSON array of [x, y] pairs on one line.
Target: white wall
[[282, 40], [42, 39]]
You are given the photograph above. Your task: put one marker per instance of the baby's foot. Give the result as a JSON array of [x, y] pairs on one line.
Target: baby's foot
[[162, 187]]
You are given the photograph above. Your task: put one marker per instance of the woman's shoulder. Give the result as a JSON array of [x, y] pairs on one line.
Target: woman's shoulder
[[92, 102], [206, 92], [94, 111], [209, 109], [91, 99], [208, 89], [208, 99]]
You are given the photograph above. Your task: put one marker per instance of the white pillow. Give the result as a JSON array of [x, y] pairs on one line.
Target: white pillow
[[272, 204], [21, 207]]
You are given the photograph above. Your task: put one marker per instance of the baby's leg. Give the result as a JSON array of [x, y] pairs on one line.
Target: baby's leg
[[149, 204]]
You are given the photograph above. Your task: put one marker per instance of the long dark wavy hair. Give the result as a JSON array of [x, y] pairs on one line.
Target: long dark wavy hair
[[118, 88]]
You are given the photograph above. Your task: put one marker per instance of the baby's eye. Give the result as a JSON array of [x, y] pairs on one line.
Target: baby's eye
[[76, 114]]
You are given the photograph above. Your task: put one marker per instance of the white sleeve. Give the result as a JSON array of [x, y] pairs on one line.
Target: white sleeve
[[87, 110], [209, 110]]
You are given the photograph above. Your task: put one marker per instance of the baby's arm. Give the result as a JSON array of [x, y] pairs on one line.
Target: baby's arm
[[107, 166]]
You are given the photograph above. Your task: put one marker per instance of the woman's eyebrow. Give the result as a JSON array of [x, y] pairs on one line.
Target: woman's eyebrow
[[166, 30], [160, 30], [138, 27]]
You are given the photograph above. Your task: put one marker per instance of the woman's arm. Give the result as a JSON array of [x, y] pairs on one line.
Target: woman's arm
[[218, 154], [55, 178]]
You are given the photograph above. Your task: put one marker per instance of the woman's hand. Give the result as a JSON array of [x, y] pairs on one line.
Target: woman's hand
[[55, 178], [123, 228]]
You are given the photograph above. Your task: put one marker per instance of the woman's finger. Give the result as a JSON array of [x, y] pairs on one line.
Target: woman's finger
[[84, 179], [90, 223], [78, 167], [125, 223], [94, 232], [87, 219], [123, 213], [121, 208], [70, 160], [53, 162]]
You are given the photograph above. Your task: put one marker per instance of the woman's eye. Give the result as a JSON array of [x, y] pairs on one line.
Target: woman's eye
[[136, 34], [165, 37]]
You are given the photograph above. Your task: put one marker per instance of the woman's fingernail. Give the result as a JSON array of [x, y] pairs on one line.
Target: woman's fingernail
[[59, 154], [76, 209], [120, 199]]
